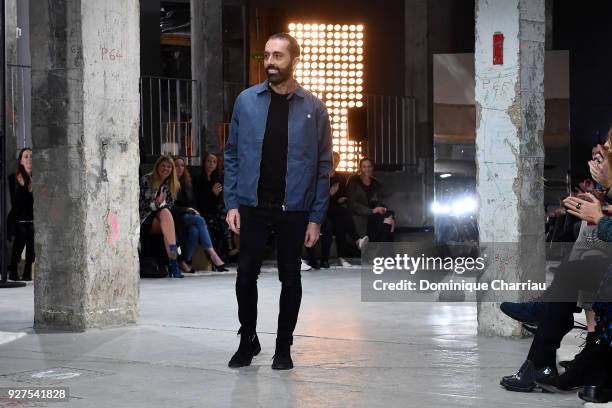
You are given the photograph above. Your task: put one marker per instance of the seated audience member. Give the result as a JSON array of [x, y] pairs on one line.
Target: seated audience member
[[190, 224], [209, 198], [554, 318], [158, 190], [370, 215], [21, 216], [338, 223]]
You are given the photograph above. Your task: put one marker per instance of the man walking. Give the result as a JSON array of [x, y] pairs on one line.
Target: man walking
[[277, 164]]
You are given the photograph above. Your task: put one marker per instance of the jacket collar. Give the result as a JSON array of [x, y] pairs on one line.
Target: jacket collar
[[264, 87]]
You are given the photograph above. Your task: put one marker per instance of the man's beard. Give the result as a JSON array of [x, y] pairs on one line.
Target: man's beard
[[279, 77]]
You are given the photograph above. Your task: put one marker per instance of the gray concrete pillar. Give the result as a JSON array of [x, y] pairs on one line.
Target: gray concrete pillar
[[417, 78], [207, 70], [85, 116], [509, 146]]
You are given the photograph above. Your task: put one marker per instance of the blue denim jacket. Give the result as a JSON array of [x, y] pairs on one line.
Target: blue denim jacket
[[309, 155]]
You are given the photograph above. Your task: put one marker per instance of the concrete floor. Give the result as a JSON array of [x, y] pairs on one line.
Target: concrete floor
[[347, 353]]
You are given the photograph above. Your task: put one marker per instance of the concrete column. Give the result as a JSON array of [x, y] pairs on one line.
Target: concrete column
[[418, 73], [85, 115], [207, 70], [509, 146]]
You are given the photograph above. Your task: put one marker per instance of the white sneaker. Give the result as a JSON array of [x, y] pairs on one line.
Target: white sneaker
[[362, 242], [305, 266], [344, 263]]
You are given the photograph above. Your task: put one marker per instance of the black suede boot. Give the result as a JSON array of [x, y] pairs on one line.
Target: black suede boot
[[249, 347], [282, 356], [583, 370]]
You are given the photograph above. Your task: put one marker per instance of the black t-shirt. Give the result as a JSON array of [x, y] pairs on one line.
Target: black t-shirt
[[273, 167]]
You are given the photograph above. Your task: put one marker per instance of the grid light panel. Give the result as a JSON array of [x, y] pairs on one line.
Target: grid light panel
[[332, 69]]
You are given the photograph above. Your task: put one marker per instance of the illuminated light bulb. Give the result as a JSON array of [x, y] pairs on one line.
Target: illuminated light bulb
[[337, 88], [351, 58], [306, 80], [315, 42], [336, 96], [329, 88], [344, 88], [321, 73], [359, 73], [342, 148], [351, 149], [345, 73], [314, 65], [337, 36], [359, 104], [360, 36], [321, 34], [344, 104], [291, 26], [321, 27], [315, 57], [306, 73], [359, 81], [330, 50], [345, 66], [351, 96], [351, 89], [336, 58], [352, 66], [345, 81], [345, 43], [359, 58], [330, 73], [336, 73], [299, 27], [352, 43], [337, 66], [336, 80], [306, 50], [306, 64], [358, 96], [352, 36], [322, 43], [337, 27], [352, 27], [307, 42], [342, 156], [307, 34], [337, 50], [345, 58], [352, 50], [337, 103], [359, 43], [359, 66], [343, 96], [343, 111], [359, 89], [329, 103], [337, 43], [345, 27], [330, 27], [299, 35], [359, 27]]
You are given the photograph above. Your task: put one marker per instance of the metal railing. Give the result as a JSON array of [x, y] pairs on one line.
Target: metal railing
[[19, 105], [167, 114], [391, 132]]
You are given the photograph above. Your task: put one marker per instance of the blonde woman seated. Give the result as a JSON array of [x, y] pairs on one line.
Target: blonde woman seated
[[158, 191]]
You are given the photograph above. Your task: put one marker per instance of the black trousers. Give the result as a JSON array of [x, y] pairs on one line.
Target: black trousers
[[24, 237], [290, 228], [558, 316], [378, 231]]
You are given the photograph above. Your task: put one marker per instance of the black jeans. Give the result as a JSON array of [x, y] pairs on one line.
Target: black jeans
[[558, 317], [378, 231], [339, 223], [290, 228], [24, 237]]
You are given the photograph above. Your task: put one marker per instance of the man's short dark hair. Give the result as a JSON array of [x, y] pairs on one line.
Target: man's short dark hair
[[294, 47]]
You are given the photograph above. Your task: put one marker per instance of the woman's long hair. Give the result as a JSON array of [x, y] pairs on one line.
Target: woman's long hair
[[185, 179], [21, 171], [155, 181]]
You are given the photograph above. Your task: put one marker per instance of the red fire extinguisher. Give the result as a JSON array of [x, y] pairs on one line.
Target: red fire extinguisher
[[498, 49]]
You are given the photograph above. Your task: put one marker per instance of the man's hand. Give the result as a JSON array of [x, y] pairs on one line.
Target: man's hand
[[233, 220], [587, 208], [601, 172], [379, 210], [312, 234]]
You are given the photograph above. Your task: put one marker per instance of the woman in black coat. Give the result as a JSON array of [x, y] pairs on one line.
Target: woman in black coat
[[21, 216]]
